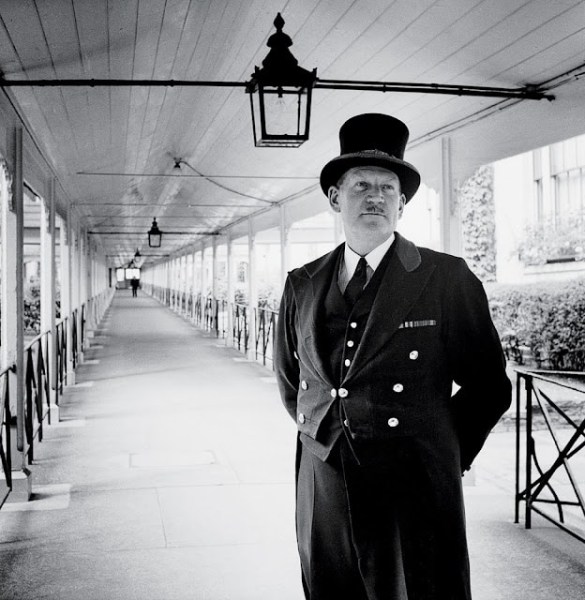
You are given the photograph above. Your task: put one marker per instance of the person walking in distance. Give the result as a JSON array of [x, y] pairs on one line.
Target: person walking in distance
[[369, 342]]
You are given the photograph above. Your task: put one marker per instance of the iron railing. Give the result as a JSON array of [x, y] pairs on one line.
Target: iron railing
[[240, 332], [43, 372], [265, 325], [5, 433], [549, 474], [37, 385], [213, 315]]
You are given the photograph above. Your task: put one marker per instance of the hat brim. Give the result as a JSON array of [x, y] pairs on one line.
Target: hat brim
[[407, 173]]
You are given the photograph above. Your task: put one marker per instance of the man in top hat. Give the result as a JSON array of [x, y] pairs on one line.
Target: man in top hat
[[370, 339]]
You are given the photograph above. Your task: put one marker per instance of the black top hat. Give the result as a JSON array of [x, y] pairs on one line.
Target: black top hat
[[372, 139]]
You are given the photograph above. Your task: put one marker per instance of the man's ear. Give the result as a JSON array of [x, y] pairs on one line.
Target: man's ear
[[402, 204], [333, 195]]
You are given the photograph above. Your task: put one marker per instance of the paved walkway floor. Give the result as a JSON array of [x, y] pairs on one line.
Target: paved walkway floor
[[170, 477]]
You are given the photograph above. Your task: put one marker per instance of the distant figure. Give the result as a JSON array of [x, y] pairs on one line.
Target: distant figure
[[134, 283]]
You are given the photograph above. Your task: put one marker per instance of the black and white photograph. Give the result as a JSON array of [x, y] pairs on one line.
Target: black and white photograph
[[292, 300]]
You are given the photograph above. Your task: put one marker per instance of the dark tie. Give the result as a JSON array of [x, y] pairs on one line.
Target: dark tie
[[357, 282]]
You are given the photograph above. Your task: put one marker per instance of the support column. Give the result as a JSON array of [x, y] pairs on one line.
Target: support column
[[65, 248], [193, 285], [203, 285], [48, 286], [284, 245], [21, 478], [450, 221], [252, 291], [230, 290]]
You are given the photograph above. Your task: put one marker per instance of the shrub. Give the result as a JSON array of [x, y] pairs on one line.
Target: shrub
[[547, 318]]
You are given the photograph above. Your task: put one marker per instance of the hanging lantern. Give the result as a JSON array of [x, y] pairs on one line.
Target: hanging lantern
[[280, 95], [154, 235]]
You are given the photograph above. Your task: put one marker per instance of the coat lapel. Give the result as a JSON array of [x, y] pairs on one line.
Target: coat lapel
[[312, 293], [405, 279]]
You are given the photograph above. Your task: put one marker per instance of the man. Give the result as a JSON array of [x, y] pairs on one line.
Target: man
[[370, 339]]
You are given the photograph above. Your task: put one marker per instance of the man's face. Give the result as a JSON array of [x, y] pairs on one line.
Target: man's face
[[370, 202]]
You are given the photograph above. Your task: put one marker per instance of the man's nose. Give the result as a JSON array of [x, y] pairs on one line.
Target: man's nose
[[376, 193]]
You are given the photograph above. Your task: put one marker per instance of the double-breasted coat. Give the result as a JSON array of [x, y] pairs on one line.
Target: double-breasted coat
[[429, 327]]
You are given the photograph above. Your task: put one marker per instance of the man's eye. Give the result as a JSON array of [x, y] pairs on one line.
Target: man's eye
[[362, 185], [388, 187]]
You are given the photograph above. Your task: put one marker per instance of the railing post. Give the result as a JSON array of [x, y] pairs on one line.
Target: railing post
[[529, 449], [517, 441]]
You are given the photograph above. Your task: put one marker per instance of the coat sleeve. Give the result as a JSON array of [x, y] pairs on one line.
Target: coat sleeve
[[476, 360], [286, 364]]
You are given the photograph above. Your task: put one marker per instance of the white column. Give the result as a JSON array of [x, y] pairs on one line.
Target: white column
[[193, 284], [65, 248], [13, 292], [252, 291], [284, 245], [48, 276], [214, 269], [203, 284], [230, 289], [450, 221]]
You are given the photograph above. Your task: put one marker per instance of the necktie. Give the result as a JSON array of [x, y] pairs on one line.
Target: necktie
[[357, 282]]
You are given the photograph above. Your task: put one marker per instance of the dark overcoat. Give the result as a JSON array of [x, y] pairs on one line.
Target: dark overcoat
[[429, 327]]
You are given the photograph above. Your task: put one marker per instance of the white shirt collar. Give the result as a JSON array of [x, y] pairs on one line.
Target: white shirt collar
[[373, 258]]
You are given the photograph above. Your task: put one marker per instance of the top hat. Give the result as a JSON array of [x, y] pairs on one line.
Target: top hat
[[372, 140]]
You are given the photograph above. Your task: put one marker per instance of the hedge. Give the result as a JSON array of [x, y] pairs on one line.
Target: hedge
[[548, 319]]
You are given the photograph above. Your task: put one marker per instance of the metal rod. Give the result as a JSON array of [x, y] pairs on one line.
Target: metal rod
[[525, 93]]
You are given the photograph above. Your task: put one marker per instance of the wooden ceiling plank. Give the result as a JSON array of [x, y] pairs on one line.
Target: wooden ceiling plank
[[121, 35], [45, 109], [172, 31], [473, 58]]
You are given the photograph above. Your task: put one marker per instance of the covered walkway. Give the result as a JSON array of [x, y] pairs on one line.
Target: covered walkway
[[169, 476]]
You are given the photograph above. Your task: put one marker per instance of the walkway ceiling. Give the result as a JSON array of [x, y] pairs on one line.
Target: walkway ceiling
[[114, 148]]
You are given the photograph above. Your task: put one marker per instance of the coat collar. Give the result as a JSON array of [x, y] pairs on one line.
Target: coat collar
[[405, 250]]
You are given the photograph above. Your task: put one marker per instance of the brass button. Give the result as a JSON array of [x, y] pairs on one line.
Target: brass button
[[350, 344], [393, 422], [301, 418], [343, 393], [346, 423], [353, 324], [413, 355], [304, 385], [347, 362], [398, 387], [334, 393]]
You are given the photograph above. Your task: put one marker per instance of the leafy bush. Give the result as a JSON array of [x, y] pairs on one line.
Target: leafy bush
[[547, 318], [476, 199]]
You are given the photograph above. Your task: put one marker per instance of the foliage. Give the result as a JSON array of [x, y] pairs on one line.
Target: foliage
[[547, 318], [476, 199], [549, 241], [32, 308]]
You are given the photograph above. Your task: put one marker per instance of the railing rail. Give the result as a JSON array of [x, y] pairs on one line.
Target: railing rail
[[547, 485], [5, 433]]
